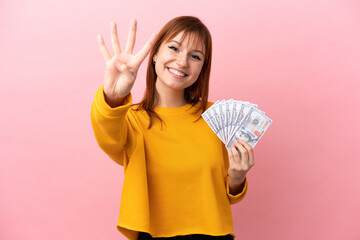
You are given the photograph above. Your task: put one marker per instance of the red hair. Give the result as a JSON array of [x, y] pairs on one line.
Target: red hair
[[197, 92]]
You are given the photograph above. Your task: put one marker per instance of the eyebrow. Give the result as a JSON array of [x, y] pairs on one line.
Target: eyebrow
[[195, 50]]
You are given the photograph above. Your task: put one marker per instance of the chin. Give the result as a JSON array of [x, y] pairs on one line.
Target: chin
[[176, 86]]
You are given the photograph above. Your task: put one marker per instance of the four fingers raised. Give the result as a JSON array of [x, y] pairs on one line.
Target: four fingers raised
[[139, 57]]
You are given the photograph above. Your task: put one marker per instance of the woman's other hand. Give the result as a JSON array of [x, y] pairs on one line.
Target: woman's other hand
[[121, 68]]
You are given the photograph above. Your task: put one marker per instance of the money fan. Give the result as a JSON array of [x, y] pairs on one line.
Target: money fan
[[232, 120]]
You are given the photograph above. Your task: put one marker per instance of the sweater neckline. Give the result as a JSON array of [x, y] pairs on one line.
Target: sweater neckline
[[173, 110]]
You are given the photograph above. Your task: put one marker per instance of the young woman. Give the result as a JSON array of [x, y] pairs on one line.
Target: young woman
[[179, 178]]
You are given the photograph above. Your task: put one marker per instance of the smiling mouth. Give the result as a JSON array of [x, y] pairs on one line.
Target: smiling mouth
[[176, 73]]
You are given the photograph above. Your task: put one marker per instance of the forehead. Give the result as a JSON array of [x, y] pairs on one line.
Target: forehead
[[191, 40]]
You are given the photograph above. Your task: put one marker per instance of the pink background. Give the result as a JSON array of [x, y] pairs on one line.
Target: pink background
[[298, 60]]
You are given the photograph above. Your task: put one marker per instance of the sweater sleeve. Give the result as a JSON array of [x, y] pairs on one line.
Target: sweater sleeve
[[238, 197], [110, 125]]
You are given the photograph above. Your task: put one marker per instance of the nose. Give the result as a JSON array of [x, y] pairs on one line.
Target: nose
[[182, 60]]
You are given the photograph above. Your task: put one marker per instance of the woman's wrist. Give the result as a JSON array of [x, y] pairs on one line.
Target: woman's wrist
[[236, 186], [237, 181], [114, 102]]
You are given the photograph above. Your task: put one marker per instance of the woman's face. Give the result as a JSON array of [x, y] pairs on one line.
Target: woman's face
[[178, 65]]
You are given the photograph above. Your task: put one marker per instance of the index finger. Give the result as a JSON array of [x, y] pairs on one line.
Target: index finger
[[249, 149], [131, 38], [140, 56], [246, 145]]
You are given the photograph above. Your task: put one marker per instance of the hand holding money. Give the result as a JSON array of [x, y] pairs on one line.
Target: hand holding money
[[241, 159], [239, 125]]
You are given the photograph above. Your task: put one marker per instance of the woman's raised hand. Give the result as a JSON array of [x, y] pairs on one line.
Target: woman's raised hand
[[121, 68]]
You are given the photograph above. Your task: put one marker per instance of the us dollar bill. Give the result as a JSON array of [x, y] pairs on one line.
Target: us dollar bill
[[252, 128]]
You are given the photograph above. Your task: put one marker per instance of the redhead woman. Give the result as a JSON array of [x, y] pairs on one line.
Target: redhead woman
[[179, 179]]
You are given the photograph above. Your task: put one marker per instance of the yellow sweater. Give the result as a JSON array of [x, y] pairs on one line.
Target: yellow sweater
[[175, 178]]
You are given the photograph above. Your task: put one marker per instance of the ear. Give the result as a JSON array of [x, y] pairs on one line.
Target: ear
[[155, 58]]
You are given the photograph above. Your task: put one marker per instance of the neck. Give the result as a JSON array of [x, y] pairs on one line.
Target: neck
[[169, 97]]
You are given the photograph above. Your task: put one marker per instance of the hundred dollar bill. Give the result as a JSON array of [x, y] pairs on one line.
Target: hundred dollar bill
[[207, 119], [247, 103], [226, 108], [235, 115], [241, 111], [213, 120], [220, 111], [252, 128], [220, 119]]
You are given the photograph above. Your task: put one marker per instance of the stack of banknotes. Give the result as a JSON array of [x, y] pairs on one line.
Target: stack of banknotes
[[232, 120]]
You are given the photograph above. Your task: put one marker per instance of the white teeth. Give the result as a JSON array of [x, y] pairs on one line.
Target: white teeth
[[176, 72]]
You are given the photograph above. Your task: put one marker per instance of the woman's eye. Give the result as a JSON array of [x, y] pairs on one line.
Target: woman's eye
[[196, 57], [173, 48], [176, 50]]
